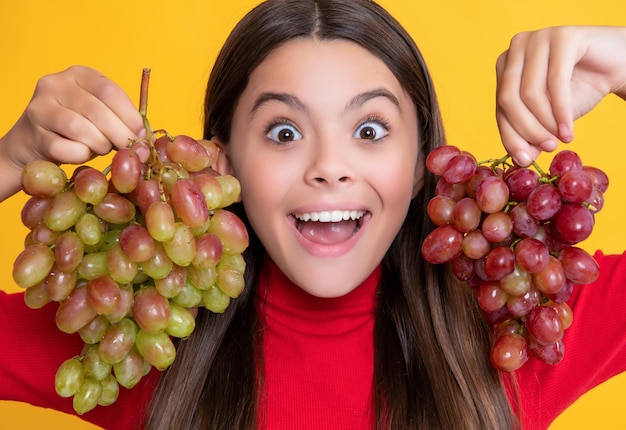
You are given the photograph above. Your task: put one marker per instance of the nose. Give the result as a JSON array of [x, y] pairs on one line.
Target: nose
[[329, 163]]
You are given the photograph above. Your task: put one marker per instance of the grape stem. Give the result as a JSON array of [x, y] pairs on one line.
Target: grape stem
[[590, 206], [539, 169], [143, 101], [544, 177], [143, 111], [495, 162]]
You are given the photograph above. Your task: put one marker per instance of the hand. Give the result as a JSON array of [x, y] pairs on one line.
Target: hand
[[72, 116], [549, 78]]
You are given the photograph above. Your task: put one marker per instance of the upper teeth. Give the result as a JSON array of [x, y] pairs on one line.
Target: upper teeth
[[330, 216]]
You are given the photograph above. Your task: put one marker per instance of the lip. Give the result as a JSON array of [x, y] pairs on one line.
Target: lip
[[335, 250]]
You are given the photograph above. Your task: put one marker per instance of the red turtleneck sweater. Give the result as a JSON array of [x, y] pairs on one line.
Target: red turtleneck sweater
[[310, 344], [319, 356]]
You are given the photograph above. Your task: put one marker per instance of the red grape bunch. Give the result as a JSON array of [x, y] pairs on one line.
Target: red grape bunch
[[510, 234], [130, 254]]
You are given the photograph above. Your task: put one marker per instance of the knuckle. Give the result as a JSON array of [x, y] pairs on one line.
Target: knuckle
[[520, 39], [500, 61], [46, 84], [528, 94], [505, 101], [105, 89]]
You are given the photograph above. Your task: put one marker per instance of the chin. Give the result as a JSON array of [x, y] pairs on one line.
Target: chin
[[330, 285], [327, 277], [328, 292]]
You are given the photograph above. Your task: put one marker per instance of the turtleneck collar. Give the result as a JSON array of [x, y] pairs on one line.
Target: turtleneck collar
[[278, 290]]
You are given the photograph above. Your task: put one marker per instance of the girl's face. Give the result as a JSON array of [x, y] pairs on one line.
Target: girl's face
[[325, 144]]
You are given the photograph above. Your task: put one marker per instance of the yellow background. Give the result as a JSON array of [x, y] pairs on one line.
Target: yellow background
[[179, 40]]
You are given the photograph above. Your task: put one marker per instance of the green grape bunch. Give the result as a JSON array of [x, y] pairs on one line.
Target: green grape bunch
[[129, 254]]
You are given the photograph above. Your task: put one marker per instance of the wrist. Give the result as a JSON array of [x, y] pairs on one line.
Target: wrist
[[10, 172]]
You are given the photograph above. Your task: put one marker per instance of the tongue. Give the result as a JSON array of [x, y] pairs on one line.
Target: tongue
[[327, 233]]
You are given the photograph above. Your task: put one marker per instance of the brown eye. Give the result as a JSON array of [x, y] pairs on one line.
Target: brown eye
[[367, 133], [283, 133], [371, 130]]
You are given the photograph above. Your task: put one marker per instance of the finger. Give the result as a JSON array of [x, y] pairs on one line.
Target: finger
[[104, 103], [533, 81], [511, 111], [66, 151], [109, 108], [78, 89], [101, 119], [518, 148], [142, 149], [68, 124], [563, 59]]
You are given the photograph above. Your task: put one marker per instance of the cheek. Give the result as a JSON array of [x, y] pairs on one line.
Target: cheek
[[418, 181], [399, 178], [396, 188], [264, 185], [255, 189]]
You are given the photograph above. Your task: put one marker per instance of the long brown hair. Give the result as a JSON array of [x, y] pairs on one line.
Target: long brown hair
[[431, 344]]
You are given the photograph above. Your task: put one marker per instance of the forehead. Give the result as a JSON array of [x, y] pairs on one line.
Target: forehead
[[329, 66]]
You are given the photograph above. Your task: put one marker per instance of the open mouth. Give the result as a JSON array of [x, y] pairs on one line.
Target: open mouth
[[329, 227]]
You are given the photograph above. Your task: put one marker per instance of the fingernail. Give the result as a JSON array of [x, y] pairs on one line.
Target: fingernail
[[565, 133], [143, 152], [523, 159], [549, 145]]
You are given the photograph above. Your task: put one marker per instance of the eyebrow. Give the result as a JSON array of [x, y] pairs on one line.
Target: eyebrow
[[286, 98], [360, 99], [296, 103]]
